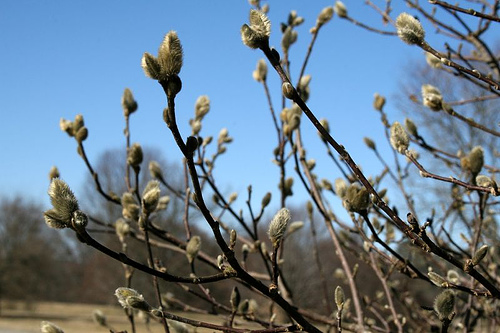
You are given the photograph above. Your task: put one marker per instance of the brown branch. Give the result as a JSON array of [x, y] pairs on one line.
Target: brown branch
[[465, 11]]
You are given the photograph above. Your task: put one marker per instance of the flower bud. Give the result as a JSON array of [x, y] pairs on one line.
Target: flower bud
[[130, 208], [151, 196], [399, 139], [193, 247], [170, 55], [151, 66], [66, 126], [64, 205], [256, 35], [437, 279], [278, 226], [356, 199], [378, 102], [324, 16], [485, 181], [235, 299], [129, 104], [409, 29], [232, 197], [266, 200], [326, 125], [232, 238], [48, 327], [294, 226], [326, 185], [289, 37], [370, 143], [81, 134], [135, 156], [411, 127], [340, 9], [340, 187], [432, 60], [339, 297], [444, 304], [53, 173], [260, 73], [131, 299], [122, 229], [163, 203], [99, 317], [78, 123], [155, 171], [476, 160], [201, 107], [479, 255], [452, 276], [287, 90], [432, 97]]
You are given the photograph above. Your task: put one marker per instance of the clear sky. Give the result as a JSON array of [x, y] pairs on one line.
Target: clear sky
[[61, 58]]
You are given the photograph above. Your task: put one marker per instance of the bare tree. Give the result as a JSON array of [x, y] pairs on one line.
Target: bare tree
[[448, 249]]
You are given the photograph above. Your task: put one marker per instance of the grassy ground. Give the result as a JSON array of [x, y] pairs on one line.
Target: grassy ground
[[21, 317]]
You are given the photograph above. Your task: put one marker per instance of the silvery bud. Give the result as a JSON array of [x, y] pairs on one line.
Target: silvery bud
[[266, 200], [81, 134], [289, 37], [66, 126], [278, 225], [256, 35], [324, 16], [340, 187], [151, 196], [99, 317], [122, 229], [163, 203], [64, 205], [356, 199], [444, 304], [232, 238], [378, 102], [170, 55], [326, 185], [53, 173], [437, 279], [260, 73], [339, 297], [409, 29], [340, 9], [131, 299], [432, 97], [326, 125], [411, 127], [201, 107], [78, 123], [432, 60], [485, 181], [370, 143], [287, 90], [155, 171], [399, 139], [135, 156], [151, 66], [476, 159], [294, 226], [129, 104], [452, 276], [192, 248], [479, 255], [235, 299], [48, 327]]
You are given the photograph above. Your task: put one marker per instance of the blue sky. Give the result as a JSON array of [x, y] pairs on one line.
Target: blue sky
[[61, 58]]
